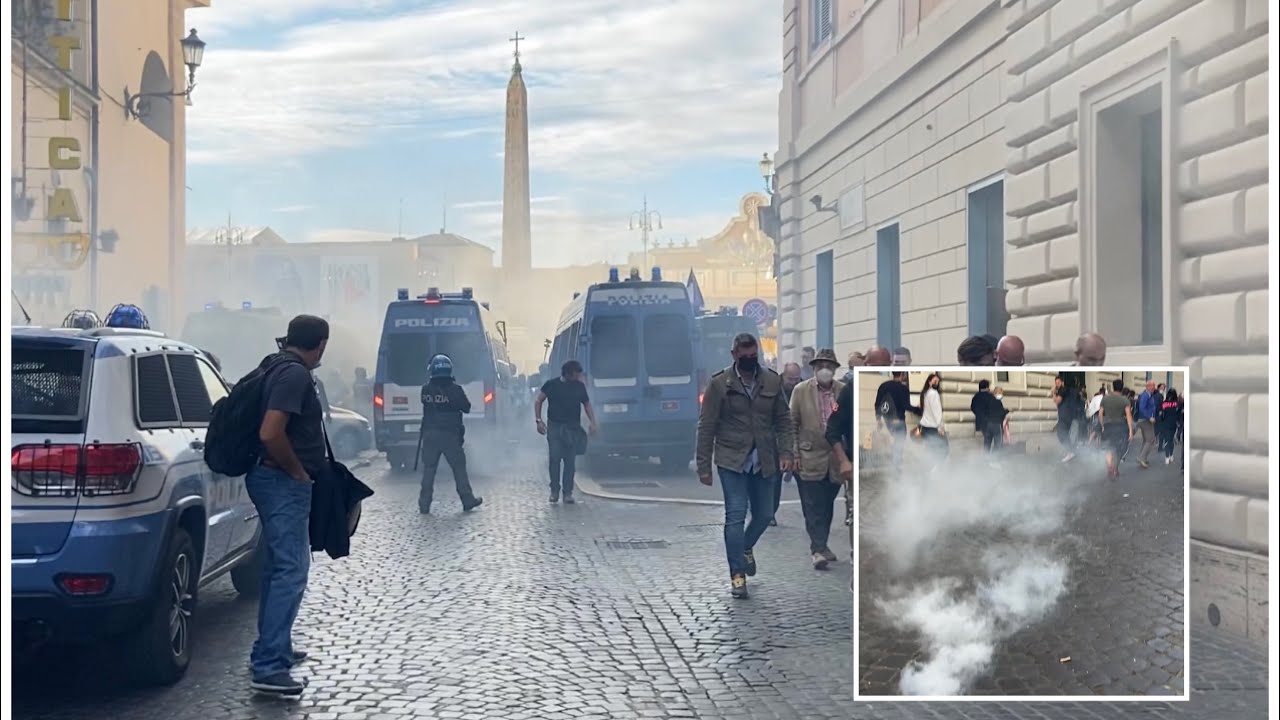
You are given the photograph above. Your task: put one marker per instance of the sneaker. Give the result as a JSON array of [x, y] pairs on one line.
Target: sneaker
[[826, 553], [773, 522], [1143, 464], [1068, 457], [739, 587], [750, 558], [299, 656], [281, 684], [570, 500], [472, 504], [555, 498], [819, 562]]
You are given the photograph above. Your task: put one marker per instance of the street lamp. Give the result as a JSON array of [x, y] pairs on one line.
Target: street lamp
[[137, 106], [766, 172], [643, 220]]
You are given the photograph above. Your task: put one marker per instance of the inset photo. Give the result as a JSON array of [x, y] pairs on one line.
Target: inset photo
[[1021, 534]]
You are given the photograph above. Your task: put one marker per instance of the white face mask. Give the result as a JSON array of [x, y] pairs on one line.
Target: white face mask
[[825, 375], [1000, 396]]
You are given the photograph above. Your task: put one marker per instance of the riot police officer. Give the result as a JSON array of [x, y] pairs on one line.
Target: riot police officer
[[443, 405]]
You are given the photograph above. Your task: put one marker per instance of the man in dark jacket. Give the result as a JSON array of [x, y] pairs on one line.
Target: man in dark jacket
[[443, 405], [988, 417], [893, 400]]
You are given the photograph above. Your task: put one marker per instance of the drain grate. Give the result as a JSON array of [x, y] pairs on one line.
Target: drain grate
[[629, 484], [632, 544]]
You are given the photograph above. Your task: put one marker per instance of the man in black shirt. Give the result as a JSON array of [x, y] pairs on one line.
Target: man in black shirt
[[893, 400], [442, 433], [988, 417], [566, 398], [292, 436], [1069, 407]]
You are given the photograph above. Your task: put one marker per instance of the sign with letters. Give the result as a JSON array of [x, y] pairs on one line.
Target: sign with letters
[[639, 296], [420, 322]]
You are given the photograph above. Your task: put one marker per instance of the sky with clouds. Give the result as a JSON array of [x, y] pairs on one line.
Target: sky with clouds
[[319, 117]]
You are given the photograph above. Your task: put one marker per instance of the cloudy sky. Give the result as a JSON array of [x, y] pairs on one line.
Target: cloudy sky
[[317, 117]]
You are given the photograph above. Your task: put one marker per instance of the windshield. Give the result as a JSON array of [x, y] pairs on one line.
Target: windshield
[[409, 354], [667, 349], [614, 354], [48, 388]]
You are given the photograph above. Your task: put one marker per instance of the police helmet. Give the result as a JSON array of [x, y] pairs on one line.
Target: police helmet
[[81, 320], [441, 366], [127, 316]]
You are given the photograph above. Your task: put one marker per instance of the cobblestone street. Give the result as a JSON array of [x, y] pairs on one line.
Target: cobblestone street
[[1118, 627], [528, 610]]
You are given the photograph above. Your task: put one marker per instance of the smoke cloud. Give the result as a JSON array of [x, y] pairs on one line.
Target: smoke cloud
[[972, 554]]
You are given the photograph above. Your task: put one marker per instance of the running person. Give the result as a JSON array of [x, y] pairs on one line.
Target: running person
[[1116, 418], [443, 405]]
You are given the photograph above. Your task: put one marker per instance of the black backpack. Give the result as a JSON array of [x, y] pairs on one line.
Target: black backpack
[[231, 445], [887, 410]]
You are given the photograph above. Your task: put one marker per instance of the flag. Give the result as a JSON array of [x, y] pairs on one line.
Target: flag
[[695, 292]]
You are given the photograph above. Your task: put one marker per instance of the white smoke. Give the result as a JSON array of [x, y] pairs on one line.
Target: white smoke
[[964, 596]]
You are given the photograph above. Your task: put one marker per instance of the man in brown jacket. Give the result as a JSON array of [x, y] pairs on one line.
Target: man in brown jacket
[[817, 470], [745, 431]]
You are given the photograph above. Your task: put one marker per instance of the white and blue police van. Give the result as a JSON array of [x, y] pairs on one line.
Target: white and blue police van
[[117, 520]]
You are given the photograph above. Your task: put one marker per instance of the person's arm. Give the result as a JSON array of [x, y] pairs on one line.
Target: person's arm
[[460, 401], [708, 423], [1057, 397], [1128, 416], [286, 394], [786, 430], [796, 420], [586, 408], [537, 406], [840, 420]]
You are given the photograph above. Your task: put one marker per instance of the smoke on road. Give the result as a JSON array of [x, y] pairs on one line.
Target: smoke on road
[[962, 596]]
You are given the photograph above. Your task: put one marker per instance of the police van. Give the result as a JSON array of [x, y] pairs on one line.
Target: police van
[[413, 331], [635, 339], [117, 520], [716, 331]]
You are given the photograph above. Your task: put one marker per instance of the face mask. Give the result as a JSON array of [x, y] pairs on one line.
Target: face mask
[[1000, 396], [825, 375], [748, 363]]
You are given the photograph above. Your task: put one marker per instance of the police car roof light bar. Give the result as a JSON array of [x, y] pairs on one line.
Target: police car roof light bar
[[402, 294], [657, 274], [467, 293], [613, 275], [246, 305]]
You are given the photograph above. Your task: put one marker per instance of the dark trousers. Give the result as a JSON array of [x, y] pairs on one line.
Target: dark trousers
[[818, 501], [562, 458], [1168, 432], [993, 436], [1065, 434], [434, 445]]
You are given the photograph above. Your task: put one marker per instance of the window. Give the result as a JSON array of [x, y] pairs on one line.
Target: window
[[614, 355], [1126, 261], [1002, 376], [888, 287], [155, 403], [826, 299], [408, 355], [986, 260], [49, 388], [851, 206], [668, 353], [194, 403], [213, 383], [822, 27], [471, 359]]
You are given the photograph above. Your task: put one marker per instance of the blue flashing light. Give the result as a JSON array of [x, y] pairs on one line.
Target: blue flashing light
[[209, 306], [467, 293], [246, 305], [613, 275], [657, 274], [402, 294], [127, 316]]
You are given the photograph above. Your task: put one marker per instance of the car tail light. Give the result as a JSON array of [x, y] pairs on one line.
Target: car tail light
[[84, 584], [111, 469], [46, 470], [63, 470]]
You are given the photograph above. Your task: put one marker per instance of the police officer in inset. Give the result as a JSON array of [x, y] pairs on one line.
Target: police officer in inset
[[443, 405]]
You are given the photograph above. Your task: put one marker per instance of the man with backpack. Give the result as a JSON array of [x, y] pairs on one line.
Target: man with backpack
[[292, 455], [442, 432], [893, 400]]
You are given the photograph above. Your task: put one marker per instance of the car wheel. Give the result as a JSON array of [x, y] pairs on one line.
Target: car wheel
[[346, 445], [161, 649], [246, 577]]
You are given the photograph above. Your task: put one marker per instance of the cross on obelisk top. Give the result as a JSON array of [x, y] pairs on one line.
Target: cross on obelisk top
[[517, 40]]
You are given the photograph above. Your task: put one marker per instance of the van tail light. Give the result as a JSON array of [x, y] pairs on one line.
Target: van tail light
[[378, 403], [82, 585], [64, 470], [488, 397], [700, 396]]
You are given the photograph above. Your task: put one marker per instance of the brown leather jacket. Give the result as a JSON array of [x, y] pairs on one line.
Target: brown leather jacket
[[732, 422]]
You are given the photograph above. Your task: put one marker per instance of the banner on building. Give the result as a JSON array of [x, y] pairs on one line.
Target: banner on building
[[352, 287]]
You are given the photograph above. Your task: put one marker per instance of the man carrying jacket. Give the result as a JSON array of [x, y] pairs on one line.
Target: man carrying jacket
[[745, 431], [443, 405]]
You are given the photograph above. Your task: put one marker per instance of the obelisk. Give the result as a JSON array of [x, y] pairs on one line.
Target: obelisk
[[517, 254]]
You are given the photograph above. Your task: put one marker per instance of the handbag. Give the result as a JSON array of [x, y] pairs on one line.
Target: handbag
[[354, 491]]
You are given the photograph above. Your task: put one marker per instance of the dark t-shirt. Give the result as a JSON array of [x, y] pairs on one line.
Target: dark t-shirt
[[291, 389], [1113, 407], [564, 401], [1069, 408]]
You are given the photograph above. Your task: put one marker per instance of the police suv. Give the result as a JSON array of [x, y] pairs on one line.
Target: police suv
[[117, 520], [415, 330]]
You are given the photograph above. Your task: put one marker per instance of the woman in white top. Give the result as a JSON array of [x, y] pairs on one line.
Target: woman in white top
[[932, 428], [1094, 420]]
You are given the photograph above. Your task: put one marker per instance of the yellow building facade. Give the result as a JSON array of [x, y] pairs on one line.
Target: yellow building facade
[[99, 155]]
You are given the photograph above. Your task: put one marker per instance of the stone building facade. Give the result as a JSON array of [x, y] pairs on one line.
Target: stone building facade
[[1044, 168]]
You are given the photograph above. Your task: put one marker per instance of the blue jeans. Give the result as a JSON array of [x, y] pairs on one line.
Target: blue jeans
[[284, 510], [740, 492]]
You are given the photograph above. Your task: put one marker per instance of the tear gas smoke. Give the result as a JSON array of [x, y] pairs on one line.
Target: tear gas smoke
[[962, 598]]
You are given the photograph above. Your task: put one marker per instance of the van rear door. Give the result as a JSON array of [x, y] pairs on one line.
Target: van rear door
[[49, 391]]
